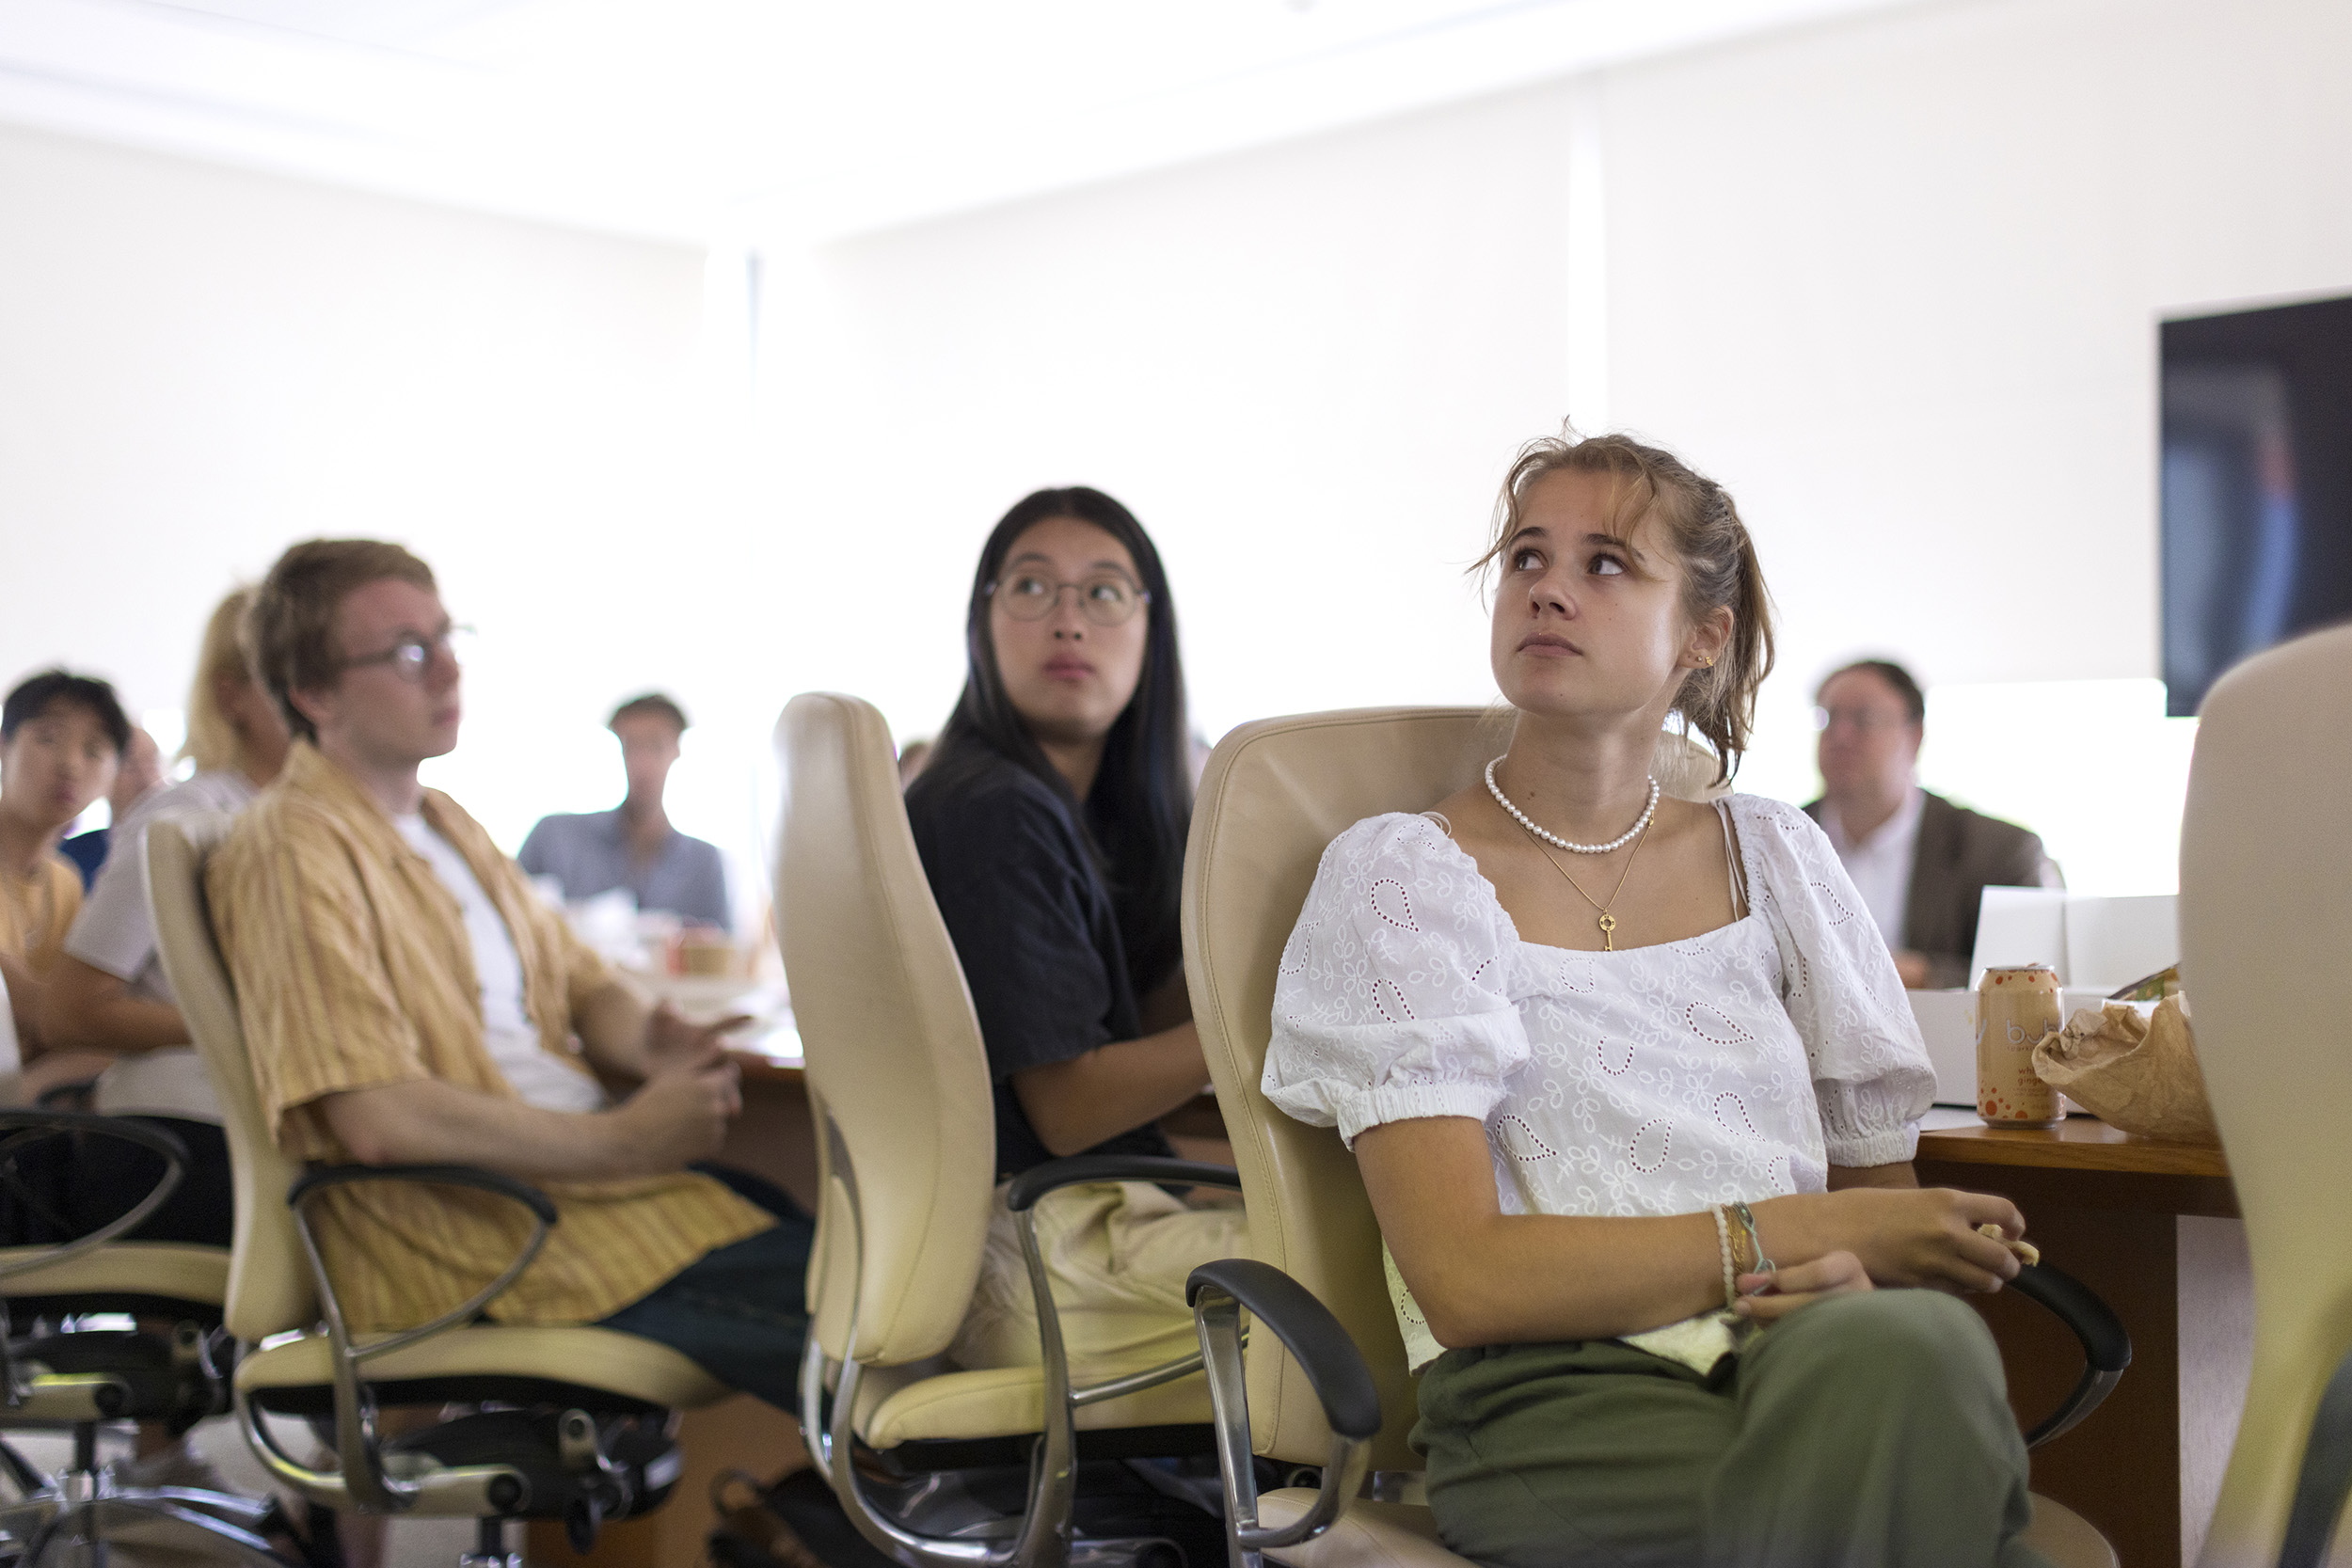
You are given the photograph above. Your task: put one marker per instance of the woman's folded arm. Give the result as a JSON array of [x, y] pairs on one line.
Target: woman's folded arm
[[1484, 1277]]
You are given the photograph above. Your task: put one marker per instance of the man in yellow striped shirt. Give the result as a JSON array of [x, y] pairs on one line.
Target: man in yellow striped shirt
[[408, 1000]]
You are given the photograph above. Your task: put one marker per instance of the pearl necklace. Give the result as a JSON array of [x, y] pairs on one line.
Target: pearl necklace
[[1618, 842]]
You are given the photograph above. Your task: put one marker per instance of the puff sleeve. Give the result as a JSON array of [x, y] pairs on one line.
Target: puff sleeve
[[1391, 1001], [1871, 1075]]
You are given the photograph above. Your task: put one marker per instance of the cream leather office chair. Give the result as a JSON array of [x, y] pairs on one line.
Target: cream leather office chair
[[1273, 795], [2266, 937], [578, 1425], [899, 1084]]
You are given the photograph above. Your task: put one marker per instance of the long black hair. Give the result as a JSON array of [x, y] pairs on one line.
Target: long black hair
[[1140, 808]]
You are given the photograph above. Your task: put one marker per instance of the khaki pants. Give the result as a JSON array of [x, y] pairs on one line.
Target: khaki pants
[[1117, 1254], [1867, 1431]]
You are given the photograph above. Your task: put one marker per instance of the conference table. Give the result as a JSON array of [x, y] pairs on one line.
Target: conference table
[[2150, 1226]]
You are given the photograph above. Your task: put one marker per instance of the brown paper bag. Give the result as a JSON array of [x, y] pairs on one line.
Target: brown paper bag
[[2132, 1070]]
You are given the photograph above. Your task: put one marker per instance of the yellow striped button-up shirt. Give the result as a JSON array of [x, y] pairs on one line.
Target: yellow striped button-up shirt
[[354, 971]]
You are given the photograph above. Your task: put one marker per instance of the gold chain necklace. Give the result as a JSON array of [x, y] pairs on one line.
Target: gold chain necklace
[[1607, 922]]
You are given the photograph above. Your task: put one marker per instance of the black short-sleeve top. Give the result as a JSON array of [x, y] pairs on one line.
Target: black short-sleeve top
[[1037, 930]]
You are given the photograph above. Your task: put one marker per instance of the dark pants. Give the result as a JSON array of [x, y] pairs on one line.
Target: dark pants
[[63, 1187], [741, 1313], [114, 1175], [1867, 1430]]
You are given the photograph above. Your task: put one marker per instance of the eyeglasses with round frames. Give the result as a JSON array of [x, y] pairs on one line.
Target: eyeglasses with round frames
[[1861, 720], [1105, 598], [412, 655]]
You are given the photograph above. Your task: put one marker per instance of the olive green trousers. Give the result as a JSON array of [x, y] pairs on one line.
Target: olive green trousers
[[1869, 1430]]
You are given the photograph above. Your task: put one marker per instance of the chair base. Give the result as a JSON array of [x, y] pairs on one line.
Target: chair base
[[497, 1464], [1124, 1515], [211, 1525], [489, 1550]]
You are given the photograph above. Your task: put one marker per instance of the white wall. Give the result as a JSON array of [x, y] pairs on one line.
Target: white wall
[[1895, 280], [1304, 368], [197, 367], [1897, 283]]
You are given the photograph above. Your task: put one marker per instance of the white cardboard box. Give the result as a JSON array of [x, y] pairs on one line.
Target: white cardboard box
[[2094, 943]]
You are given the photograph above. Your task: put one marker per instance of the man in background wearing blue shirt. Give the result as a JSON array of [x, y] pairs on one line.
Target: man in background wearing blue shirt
[[633, 845]]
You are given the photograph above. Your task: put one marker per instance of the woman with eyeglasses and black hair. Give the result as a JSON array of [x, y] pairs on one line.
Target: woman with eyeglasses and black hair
[[1051, 820]]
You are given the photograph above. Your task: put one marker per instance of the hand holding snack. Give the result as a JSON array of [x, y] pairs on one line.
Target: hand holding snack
[[2027, 1252]]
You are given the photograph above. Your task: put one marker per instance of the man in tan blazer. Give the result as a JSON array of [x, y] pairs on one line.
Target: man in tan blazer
[[1920, 862]]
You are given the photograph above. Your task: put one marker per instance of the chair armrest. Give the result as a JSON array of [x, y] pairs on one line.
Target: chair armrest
[[1034, 1183], [311, 1182], [1334, 1366], [1335, 1369], [356, 1445], [2326, 1476], [2107, 1347], [29, 1126], [322, 1176]]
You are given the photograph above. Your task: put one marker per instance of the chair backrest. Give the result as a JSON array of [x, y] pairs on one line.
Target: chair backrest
[[269, 1281], [2266, 931], [1275, 795], [896, 1064]]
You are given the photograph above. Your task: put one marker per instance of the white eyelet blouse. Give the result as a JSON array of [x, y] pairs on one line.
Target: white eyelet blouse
[[1734, 1065]]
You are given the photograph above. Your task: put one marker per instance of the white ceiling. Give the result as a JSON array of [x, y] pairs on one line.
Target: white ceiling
[[752, 120]]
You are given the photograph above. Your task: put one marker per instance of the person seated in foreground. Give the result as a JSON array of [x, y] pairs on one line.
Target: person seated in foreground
[[109, 993], [1920, 862], [406, 999], [633, 845], [1051, 817], [1603, 1055], [140, 775], [61, 741]]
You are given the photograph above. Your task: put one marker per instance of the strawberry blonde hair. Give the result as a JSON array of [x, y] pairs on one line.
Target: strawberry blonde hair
[[1701, 525]]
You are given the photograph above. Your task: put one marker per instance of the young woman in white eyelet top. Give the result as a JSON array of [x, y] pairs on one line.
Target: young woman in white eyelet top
[[1601, 1054]]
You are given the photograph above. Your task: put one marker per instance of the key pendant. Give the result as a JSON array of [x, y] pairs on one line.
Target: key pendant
[[1608, 926]]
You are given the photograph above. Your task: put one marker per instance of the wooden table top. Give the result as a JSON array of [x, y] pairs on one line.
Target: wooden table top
[[2079, 1143], [759, 1068]]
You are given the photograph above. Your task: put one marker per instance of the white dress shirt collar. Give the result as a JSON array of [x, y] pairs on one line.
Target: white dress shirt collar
[[1880, 862]]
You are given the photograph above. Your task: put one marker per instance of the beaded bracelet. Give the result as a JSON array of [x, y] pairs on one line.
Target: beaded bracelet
[[1722, 1239]]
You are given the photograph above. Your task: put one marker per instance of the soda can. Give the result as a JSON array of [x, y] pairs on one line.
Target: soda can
[[2015, 1008]]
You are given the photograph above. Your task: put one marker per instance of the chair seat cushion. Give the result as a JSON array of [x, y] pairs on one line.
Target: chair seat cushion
[[2066, 1538], [172, 1271], [593, 1367], [1401, 1535], [897, 1404]]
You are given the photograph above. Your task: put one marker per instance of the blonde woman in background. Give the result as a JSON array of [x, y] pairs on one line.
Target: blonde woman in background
[[108, 995]]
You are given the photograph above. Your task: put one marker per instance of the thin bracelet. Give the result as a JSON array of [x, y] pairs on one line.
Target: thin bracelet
[[1756, 1242], [1722, 1239]]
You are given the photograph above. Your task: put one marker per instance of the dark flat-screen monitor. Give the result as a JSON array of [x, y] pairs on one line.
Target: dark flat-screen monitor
[[2257, 485]]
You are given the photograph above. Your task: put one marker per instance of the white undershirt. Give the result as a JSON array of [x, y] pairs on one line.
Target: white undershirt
[[1881, 864], [513, 1039]]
